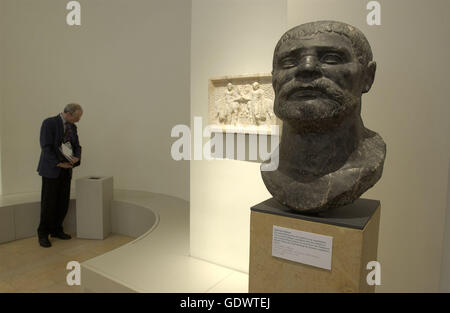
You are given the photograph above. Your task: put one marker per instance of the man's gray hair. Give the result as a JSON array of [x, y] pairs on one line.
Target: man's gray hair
[[72, 107]]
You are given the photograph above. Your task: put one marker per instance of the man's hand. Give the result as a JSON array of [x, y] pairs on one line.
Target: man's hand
[[75, 160], [65, 165]]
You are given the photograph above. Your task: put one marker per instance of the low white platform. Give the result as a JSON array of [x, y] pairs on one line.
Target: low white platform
[[20, 216], [158, 261]]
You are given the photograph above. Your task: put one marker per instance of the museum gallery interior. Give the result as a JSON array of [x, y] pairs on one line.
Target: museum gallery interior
[[224, 146]]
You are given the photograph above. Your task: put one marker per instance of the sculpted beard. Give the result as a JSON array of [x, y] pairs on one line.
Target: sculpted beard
[[321, 99]]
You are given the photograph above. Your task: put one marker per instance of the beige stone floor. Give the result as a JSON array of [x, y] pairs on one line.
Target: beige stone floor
[[27, 267]]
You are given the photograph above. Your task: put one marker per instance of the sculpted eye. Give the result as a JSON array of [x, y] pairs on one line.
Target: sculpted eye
[[288, 62], [332, 58]]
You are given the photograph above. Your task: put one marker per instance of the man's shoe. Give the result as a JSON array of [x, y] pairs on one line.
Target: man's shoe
[[62, 236], [44, 242]]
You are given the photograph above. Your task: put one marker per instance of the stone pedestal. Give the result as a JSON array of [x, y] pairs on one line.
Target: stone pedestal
[[93, 200], [354, 229]]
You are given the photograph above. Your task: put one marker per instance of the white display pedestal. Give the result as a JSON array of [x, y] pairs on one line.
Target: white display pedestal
[[93, 200]]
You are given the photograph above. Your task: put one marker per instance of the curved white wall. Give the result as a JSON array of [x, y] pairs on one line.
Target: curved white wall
[[127, 65]]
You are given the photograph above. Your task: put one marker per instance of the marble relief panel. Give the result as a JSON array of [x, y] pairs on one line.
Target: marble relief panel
[[242, 104]]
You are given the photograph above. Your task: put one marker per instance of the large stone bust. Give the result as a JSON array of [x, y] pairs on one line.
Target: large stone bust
[[327, 158]]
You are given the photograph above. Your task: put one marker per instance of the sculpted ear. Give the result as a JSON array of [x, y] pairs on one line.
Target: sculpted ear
[[369, 76]]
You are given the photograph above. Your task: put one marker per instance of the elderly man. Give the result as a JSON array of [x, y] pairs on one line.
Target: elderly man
[[60, 152], [327, 158]]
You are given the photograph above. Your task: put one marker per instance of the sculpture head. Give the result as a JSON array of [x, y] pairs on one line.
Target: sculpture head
[[320, 71], [255, 85], [230, 86], [327, 158]]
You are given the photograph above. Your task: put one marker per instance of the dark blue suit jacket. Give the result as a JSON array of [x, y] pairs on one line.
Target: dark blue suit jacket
[[52, 134]]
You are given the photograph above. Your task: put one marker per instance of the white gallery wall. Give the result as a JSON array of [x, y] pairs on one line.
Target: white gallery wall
[[228, 38], [127, 65]]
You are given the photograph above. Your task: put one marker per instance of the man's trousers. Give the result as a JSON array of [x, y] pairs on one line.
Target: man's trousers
[[55, 197]]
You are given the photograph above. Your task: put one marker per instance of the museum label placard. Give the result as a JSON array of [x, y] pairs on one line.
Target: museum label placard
[[302, 247]]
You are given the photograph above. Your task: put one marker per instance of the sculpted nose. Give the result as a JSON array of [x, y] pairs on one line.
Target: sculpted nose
[[308, 68]]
